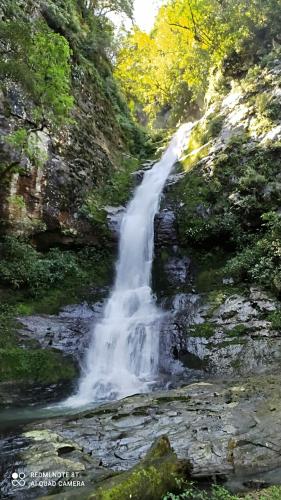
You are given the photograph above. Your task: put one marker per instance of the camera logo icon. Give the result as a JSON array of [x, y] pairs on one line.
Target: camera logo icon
[[18, 479]]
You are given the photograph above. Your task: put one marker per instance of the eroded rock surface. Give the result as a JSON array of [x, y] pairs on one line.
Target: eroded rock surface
[[223, 334], [69, 331], [226, 429]]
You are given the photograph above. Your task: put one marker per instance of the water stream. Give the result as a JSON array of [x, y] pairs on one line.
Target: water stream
[[122, 358]]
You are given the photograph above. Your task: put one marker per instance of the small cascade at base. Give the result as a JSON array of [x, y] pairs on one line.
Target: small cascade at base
[[122, 358]]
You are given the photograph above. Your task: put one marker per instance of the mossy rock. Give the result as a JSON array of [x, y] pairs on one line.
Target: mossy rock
[[160, 471], [238, 330], [205, 330]]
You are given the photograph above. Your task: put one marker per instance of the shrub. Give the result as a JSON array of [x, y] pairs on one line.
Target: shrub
[[114, 192], [261, 261], [22, 266], [193, 493], [34, 365], [8, 325]]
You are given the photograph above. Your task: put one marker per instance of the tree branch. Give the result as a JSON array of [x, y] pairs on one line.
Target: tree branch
[[180, 26]]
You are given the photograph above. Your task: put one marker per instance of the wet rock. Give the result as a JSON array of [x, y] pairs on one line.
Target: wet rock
[[21, 395], [139, 174], [178, 270], [114, 219], [183, 309], [165, 228], [218, 429], [160, 470], [174, 179], [68, 332], [203, 211], [233, 337]]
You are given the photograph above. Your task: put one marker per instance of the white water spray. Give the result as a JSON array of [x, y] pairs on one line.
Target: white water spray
[[122, 358]]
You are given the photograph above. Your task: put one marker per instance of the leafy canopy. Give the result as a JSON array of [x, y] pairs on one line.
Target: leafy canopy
[[172, 64], [104, 7]]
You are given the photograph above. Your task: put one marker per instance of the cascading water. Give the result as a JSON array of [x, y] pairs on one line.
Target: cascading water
[[122, 358]]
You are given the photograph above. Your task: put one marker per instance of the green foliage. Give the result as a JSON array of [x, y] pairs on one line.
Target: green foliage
[[238, 330], [273, 493], [51, 75], [219, 493], [66, 49], [194, 493], [205, 330], [172, 64], [261, 262], [34, 150], [232, 202], [40, 60], [105, 7], [34, 365], [8, 325], [29, 144], [114, 192], [22, 266], [18, 139], [17, 201], [275, 319], [268, 106]]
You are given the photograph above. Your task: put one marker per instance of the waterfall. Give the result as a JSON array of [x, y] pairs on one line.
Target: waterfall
[[122, 358]]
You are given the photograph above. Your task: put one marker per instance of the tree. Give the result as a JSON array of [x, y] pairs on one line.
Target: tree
[[105, 7], [190, 37]]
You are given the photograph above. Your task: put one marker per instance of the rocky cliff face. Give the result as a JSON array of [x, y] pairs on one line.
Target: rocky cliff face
[[218, 236], [47, 176]]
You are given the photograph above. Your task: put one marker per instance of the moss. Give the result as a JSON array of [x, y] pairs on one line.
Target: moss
[[236, 364], [16, 201], [238, 331], [159, 472], [205, 330], [275, 319], [113, 191], [228, 343], [209, 266], [195, 155], [216, 298], [35, 366]]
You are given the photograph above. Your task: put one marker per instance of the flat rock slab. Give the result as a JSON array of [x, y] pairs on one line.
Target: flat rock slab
[[226, 429]]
